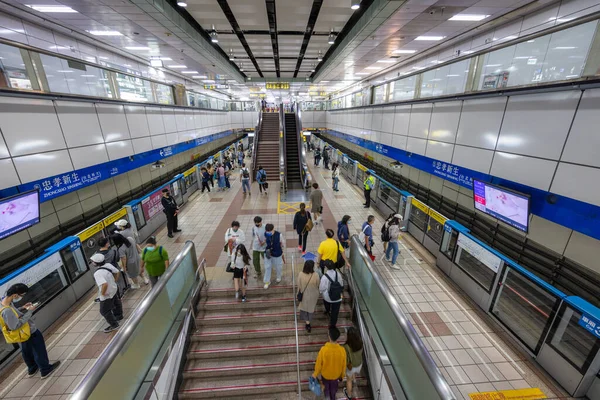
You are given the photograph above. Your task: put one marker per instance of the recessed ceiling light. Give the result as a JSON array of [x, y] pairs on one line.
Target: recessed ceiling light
[[51, 9], [468, 17], [565, 48], [355, 5], [137, 48], [182, 4], [105, 33], [387, 61], [359, 73], [199, 77], [373, 68], [165, 58], [404, 51], [177, 66], [430, 38], [189, 72], [156, 62]]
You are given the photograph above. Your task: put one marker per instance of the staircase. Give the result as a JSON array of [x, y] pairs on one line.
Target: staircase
[[248, 350], [294, 175], [267, 151]]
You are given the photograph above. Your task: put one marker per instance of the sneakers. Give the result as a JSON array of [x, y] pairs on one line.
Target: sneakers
[[278, 280], [266, 285], [387, 258], [32, 373], [243, 298], [347, 395], [299, 248], [394, 266], [303, 253], [308, 328], [237, 294], [135, 286], [146, 280], [110, 328], [53, 368]]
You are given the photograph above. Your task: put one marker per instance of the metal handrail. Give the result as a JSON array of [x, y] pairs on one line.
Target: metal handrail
[[119, 342], [282, 148], [255, 142], [435, 376], [296, 327], [301, 151]]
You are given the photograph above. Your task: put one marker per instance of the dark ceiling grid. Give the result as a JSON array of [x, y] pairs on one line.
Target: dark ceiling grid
[[238, 31], [264, 32], [312, 20], [272, 16]]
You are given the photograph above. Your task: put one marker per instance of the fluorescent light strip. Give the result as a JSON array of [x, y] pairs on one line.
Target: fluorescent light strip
[[376, 68], [404, 51], [137, 48], [177, 66], [387, 61], [51, 9], [199, 76], [105, 33], [430, 38], [468, 17]]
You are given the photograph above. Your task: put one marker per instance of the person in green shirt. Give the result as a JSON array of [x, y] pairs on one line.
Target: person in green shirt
[[155, 259]]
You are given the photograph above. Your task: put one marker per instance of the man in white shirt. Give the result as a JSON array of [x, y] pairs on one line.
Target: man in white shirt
[[233, 237], [111, 307], [332, 306]]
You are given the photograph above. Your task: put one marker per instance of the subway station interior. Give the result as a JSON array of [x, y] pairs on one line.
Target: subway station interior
[[451, 146]]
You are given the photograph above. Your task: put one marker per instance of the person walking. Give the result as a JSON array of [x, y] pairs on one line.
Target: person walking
[[331, 364], [129, 257], [18, 327], [240, 264], [211, 173], [261, 178], [316, 202], [385, 239], [171, 210], [155, 259], [240, 156], [221, 177], [343, 232], [317, 156], [106, 276], [335, 176], [234, 236], [329, 250], [274, 255], [331, 288], [302, 227], [366, 235], [326, 157], [308, 293], [126, 230], [206, 177], [369, 184], [245, 178], [394, 244], [259, 245], [354, 359]]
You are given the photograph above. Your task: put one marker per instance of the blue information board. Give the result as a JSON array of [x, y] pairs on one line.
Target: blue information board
[[590, 324]]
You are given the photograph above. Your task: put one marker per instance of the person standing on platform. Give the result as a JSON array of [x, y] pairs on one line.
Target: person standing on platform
[[308, 286], [331, 288], [335, 176], [367, 235], [205, 179], [394, 245], [106, 276], [331, 365], [129, 257], [18, 326], [369, 184], [126, 230], [245, 178], [171, 209], [221, 177], [317, 156], [274, 255], [155, 260], [302, 227], [211, 173], [240, 156], [343, 232], [316, 202], [354, 359], [326, 157], [261, 178], [259, 245]]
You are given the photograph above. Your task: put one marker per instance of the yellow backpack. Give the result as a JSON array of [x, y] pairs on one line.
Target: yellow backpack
[[17, 336]]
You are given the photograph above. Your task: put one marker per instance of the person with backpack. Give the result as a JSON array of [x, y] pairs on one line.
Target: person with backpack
[[111, 256], [106, 276], [331, 250], [366, 235], [18, 327], [211, 173], [261, 178], [205, 179], [308, 293], [274, 254], [240, 264], [385, 237], [302, 227], [245, 178], [129, 257], [343, 232], [354, 350], [331, 364], [155, 259], [394, 245], [331, 288]]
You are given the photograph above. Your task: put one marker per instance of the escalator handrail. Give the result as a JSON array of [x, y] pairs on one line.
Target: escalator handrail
[[282, 147], [301, 153], [255, 142]]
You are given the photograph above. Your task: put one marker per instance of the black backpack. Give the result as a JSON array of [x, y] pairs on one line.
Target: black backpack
[[385, 233], [335, 288], [245, 173]]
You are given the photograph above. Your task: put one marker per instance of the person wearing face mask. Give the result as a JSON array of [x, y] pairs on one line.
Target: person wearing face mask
[[274, 255], [106, 276], [234, 236], [240, 264], [155, 260], [343, 232], [171, 210], [18, 327]]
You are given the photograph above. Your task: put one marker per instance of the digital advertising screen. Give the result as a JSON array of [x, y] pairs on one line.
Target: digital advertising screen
[[19, 212], [509, 207]]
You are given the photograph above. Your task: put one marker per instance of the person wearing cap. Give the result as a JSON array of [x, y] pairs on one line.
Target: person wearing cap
[[111, 307], [126, 230], [171, 209], [394, 244], [369, 184]]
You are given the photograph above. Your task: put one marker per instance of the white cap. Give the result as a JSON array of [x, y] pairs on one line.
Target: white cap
[[120, 223], [97, 258], [400, 217]]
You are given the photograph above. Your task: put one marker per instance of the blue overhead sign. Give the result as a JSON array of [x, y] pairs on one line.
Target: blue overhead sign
[[590, 324]]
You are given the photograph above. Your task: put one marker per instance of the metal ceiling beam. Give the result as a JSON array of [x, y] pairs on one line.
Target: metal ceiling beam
[[308, 32], [272, 17], [238, 31], [264, 32]]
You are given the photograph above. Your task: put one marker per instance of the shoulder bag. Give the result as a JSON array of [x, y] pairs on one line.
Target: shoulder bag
[[340, 263]]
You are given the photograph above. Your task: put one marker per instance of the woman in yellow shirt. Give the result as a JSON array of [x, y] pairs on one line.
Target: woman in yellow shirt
[[331, 365]]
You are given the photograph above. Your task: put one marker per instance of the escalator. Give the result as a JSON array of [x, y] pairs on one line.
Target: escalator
[[292, 151], [267, 146]]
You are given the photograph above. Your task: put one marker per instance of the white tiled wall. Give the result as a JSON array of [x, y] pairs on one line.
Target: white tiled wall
[[40, 138]]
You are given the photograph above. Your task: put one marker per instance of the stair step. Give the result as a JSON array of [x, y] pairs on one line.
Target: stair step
[[274, 329], [259, 302], [229, 291], [239, 316]]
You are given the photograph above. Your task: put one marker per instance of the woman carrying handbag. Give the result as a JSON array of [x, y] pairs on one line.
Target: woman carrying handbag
[[302, 224], [308, 293]]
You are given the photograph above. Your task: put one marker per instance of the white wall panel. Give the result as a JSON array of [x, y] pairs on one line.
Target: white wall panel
[[86, 156], [155, 120], [530, 171], [385, 138], [169, 120], [376, 119], [473, 158], [577, 182], [401, 120], [120, 149], [30, 126], [387, 119], [79, 123], [3, 149], [416, 145], [141, 145], [444, 121], [8, 177], [189, 120], [159, 141], [548, 117], [480, 122], [137, 121], [319, 119], [38, 166], [439, 150], [583, 143], [584, 250], [542, 19], [420, 117], [112, 122]]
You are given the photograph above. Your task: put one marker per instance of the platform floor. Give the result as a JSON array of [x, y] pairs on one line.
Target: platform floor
[[471, 349]]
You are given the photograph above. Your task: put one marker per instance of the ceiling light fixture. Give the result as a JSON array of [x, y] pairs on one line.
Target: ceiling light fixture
[[177, 66], [214, 36], [355, 4], [199, 76], [430, 38], [359, 73], [387, 61], [182, 4], [376, 68], [231, 56], [189, 72], [51, 9], [156, 62], [468, 17], [319, 57], [404, 51], [105, 33], [241, 67], [137, 48], [332, 37]]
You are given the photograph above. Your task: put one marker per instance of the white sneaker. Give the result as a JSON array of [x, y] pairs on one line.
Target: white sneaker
[[237, 294], [278, 280], [135, 286], [146, 280], [394, 266], [266, 285], [387, 259]]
